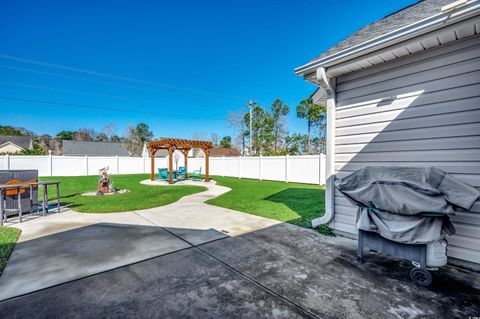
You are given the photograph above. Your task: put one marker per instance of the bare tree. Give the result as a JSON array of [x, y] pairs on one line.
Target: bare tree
[[44, 141], [84, 134], [136, 137], [236, 120], [102, 137], [57, 146], [134, 144], [109, 130], [201, 136], [215, 139]]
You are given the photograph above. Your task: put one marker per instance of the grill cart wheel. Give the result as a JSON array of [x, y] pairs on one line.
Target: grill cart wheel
[[421, 276]]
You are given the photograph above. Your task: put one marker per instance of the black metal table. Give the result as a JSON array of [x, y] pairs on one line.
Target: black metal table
[[44, 186]]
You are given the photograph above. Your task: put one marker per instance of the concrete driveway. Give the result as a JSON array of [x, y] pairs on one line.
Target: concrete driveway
[[192, 260]]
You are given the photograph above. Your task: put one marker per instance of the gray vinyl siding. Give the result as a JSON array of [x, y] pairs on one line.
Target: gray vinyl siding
[[419, 110]]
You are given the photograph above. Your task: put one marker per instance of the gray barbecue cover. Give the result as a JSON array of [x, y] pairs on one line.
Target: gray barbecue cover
[[408, 204]]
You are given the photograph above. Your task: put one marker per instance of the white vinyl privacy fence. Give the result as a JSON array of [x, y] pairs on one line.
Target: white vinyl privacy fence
[[309, 169]]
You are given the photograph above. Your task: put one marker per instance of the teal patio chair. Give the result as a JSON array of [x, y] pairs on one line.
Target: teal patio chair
[[162, 174], [182, 172], [196, 175]]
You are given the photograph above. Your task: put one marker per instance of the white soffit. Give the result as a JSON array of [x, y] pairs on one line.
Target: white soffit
[[442, 36]]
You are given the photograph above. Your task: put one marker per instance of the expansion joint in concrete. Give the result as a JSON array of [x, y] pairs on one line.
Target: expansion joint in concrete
[[247, 277]]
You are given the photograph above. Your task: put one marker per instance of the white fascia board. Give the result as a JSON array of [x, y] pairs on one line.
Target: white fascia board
[[440, 20]]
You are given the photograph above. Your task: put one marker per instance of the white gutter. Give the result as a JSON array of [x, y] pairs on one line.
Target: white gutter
[[328, 84], [437, 21]]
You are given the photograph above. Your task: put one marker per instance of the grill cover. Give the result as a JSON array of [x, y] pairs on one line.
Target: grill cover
[[408, 204]]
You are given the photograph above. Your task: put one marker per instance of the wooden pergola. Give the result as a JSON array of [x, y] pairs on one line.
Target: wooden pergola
[[172, 144]]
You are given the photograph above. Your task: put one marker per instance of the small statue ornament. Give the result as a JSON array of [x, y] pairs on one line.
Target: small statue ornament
[[104, 184]]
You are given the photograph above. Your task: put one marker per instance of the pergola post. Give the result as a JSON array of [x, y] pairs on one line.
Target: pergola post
[[152, 163], [207, 164], [170, 165], [185, 160]]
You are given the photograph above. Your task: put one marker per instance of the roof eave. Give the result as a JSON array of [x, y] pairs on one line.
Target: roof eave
[[413, 30], [11, 143]]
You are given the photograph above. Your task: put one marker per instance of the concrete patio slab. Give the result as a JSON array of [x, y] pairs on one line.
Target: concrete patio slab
[[203, 216], [196, 236], [54, 259], [186, 284], [36, 226], [278, 272], [321, 274]]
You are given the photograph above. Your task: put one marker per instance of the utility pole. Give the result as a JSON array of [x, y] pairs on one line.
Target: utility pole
[[251, 105]]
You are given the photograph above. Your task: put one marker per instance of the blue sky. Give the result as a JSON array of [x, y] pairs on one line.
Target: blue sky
[[195, 60]]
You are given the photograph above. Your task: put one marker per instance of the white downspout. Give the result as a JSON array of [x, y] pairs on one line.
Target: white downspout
[[329, 86]]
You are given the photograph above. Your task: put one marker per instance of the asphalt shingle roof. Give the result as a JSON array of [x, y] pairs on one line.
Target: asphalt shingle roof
[[22, 141], [94, 148], [396, 20], [216, 152], [220, 151]]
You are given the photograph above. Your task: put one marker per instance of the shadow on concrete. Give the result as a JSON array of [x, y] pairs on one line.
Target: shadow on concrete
[[85, 251]]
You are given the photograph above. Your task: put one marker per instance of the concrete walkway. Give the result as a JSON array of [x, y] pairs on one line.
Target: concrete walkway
[[62, 247], [198, 266]]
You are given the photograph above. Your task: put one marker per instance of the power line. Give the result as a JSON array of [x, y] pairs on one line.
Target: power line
[[71, 91], [80, 79], [104, 108], [84, 79], [86, 93], [116, 77]]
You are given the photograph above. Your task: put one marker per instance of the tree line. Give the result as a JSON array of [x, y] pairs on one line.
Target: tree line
[[270, 135], [134, 138]]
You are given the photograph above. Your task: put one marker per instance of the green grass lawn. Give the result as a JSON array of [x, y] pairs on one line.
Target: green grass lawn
[[8, 238], [140, 196], [294, 203], [287, 202]]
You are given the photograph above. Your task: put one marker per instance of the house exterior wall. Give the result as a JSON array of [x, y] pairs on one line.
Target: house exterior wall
[[420, 110], [10, 148]]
